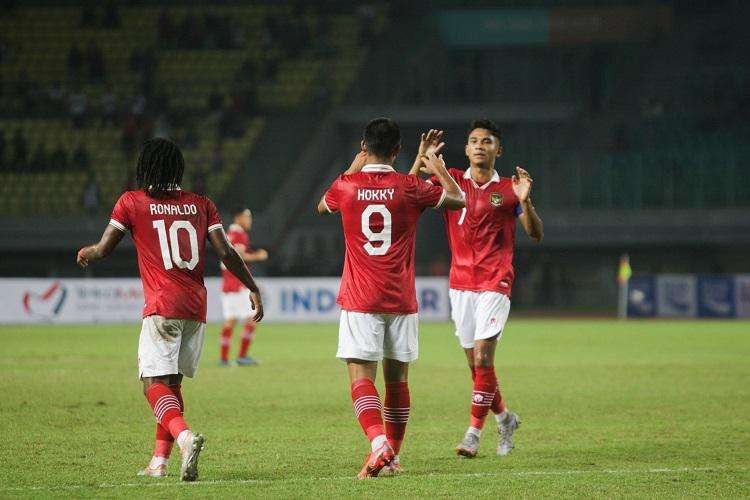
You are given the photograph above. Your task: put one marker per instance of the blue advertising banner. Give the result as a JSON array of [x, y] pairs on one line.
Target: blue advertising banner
[[716, 297], [677, 295]]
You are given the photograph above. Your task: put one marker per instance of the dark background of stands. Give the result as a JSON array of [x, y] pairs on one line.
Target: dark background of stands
[[637, 136]]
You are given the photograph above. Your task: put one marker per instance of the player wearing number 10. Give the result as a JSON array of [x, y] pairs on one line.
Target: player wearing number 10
[[379, 212], [170, 228]]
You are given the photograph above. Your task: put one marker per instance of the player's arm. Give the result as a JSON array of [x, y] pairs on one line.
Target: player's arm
[[454, 198], [233, 261], [529, 219], [258, 255], [431, 141], [322, 206], [111, 237]]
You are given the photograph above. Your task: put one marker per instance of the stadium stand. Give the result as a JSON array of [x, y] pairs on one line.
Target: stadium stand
[[207, 77]]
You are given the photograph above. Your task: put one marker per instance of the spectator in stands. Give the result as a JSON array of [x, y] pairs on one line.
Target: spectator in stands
[[91, 196], [81, 158], [40, 161], [2, 150], [58, 160], [217, 159], [88, 15], [215, 100], [165, 29], [95, 61], [111, 17], [75, 61], [190, 141], [77, 107], [20, 150], [56, 95], [161, 127], [127, 140], [108, 102]]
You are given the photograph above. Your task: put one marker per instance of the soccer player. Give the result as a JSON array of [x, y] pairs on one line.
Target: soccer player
[[170, 227], [234, 294], [481, 239], [379, 211]]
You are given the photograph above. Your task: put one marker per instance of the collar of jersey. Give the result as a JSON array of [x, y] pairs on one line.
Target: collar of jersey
[[235, 227], [377, 167], [495, 178]]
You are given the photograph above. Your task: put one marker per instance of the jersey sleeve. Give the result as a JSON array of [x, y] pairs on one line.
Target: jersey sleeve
[[121, 218], [212, 216], [332, 196], [429, 194]]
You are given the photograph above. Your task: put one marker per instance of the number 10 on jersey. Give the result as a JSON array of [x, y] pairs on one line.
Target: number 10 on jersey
[[170, 246]]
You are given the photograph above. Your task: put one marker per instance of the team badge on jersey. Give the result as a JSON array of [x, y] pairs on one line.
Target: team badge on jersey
[[496, 199]]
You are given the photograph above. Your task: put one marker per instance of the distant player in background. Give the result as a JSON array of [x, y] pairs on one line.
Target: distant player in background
[[379, 212], [481, 239], [234, 294], [170, 228]]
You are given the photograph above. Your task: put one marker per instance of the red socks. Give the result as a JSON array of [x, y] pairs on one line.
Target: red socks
[[485, 386], [396, 413], [247, 338], [367, 407], [498, 405], [166, 407], [226, 340]]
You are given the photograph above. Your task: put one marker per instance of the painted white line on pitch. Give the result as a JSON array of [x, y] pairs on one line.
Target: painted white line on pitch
[[219, 482]]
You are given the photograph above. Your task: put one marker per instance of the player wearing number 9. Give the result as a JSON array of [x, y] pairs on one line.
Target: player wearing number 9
[[170, 228], [379, 211]]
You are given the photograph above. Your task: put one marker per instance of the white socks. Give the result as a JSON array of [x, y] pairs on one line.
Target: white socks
[[378, 442], [156, 462], [475, 431]]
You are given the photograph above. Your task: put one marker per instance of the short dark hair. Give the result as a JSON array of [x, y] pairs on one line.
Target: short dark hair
[[238, 209], [487, 124], [160, 167], [382, 136]]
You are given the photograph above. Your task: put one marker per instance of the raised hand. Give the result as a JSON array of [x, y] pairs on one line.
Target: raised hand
[[522, 184], [431, 141], [432, 163], [358, 162]]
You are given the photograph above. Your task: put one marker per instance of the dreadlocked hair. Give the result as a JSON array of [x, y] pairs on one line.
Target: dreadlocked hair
[[160, 167]]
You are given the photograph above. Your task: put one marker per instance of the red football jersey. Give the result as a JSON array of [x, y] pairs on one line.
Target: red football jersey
[[482, 235], [379, 212], [238, 238], [170, 237]]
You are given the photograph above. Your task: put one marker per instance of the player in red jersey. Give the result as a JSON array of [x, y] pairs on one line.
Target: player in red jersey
[[379, 211], [481, 239], [170, 228], [234, 294]]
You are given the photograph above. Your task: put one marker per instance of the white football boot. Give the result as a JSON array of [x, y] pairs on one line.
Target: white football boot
[[506, 426]]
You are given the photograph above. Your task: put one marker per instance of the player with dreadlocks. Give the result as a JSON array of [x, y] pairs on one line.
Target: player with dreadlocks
[[170, 227]]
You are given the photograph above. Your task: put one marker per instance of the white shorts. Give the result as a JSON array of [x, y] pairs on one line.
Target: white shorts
[[478, 315], [169, 346], [236, 305], [372, 337]]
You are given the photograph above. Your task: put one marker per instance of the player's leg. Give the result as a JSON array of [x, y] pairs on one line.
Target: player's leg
[[463, 305], [492, 314], [225, 340], [157, 467], [361, 346], [400, 347], [248, 336], [228, 306]]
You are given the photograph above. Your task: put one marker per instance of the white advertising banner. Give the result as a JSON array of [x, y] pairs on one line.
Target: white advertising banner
[[119, 300]]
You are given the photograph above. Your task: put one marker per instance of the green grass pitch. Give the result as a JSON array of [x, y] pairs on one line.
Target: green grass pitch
[[609, 409]]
